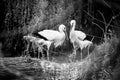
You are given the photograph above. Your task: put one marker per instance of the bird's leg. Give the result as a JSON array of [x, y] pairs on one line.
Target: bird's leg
[[39, 51], [48, 54], [88, 49], [81, 55], [39, 47], [74, 51], [27, 50], [48, 47], [74, 54]]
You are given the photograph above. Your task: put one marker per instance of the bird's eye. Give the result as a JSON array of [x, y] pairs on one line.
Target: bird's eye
[[64, 28]]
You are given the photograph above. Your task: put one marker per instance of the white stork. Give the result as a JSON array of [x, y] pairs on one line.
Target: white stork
[[37, 41], [53, 36], [84, 44], [75, 36]]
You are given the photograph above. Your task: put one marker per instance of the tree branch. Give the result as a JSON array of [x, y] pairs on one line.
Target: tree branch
[[99, 27], [93, 17], [103, 17]]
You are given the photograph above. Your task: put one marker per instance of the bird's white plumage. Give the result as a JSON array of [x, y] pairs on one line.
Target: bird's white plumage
[[76, 36], [57, 37], [80, 35], [49, 34], [84, 44], [43, 42], [53, 36]]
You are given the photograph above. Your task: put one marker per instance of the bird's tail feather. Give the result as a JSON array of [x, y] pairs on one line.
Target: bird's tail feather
[[39, 36]]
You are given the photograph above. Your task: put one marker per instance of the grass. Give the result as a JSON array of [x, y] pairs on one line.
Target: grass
[[92, 66]]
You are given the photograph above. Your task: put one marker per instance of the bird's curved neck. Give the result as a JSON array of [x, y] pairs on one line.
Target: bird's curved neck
[[61, 31]]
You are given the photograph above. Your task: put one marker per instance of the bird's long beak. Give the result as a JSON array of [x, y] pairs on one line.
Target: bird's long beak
[[66, 35]]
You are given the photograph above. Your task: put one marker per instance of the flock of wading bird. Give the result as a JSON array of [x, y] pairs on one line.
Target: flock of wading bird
[[77, 38]]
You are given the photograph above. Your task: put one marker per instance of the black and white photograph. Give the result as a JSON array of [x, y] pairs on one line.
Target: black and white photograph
[[59, 39]]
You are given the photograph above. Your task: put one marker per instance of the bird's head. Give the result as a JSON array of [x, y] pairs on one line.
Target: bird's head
[[72, 22], [62, 28]]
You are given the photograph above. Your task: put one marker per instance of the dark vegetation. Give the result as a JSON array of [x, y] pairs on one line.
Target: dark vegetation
[[99, 19]]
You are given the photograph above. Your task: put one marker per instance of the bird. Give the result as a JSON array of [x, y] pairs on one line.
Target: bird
[[52, 36], [75, 36], [38, 42], [84, 44], [76, 33], [42, 42]]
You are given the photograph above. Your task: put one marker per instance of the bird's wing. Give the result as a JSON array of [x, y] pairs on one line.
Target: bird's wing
[[81, 35], [49, 34], [59, 39]]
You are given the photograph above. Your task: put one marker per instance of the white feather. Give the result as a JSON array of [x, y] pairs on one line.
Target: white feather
[[80, 35], [75, 34], [84, 44], [57, 37], [53, 36]]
